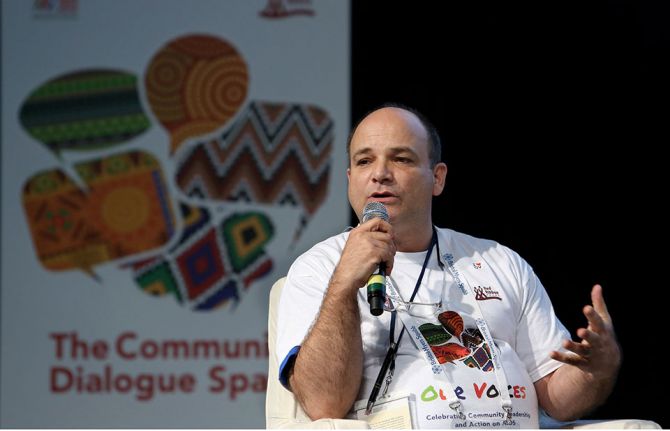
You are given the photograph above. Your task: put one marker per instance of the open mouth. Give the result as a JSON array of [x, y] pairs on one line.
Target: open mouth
[[381, 195]]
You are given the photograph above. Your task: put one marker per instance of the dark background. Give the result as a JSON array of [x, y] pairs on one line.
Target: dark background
[[552, 117]]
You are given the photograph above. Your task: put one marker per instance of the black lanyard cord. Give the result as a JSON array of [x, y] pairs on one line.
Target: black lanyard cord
[[433, 243], [389, 361]]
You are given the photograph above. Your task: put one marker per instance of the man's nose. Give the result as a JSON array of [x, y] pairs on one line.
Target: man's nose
[[382, 173]]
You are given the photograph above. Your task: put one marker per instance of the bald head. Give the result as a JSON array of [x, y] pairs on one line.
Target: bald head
[[412, 119]]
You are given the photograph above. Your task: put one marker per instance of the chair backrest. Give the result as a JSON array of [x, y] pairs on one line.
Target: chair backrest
[[281, 408]]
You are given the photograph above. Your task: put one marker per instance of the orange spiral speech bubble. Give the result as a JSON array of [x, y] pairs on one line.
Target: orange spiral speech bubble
[[194, 85]]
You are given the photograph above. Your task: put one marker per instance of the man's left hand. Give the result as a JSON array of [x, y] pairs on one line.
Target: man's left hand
[[598, 354]]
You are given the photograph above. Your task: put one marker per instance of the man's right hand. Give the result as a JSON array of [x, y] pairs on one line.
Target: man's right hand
[[368, 245]]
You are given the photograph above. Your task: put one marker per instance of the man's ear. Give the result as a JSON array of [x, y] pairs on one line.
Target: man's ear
[[439, 178]]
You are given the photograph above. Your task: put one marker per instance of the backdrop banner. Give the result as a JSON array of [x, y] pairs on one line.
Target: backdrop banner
[[163, 163]]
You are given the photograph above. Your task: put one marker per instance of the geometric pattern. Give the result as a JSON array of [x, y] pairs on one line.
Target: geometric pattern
[[480, 358], [200, 265], [245, 235], [472, 350], [274, 153], [159, 280], [125, 210], [85, 110], [212, 261]]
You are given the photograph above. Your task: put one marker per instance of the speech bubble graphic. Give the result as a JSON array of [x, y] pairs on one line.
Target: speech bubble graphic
[[194, 85], [85, 110], [212, 262], [275, 153], [126, 210]]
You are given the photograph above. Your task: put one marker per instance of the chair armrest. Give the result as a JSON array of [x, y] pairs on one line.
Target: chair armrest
[[614, 424], [332, 424], [547, 421]]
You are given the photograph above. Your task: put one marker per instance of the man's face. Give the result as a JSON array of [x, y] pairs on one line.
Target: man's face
[[389, 163]]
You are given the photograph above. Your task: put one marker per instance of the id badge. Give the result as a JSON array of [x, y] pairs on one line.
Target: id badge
[[392, 411]]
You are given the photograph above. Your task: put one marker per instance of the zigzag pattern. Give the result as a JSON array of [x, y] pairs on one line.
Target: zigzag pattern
[[274, 154]]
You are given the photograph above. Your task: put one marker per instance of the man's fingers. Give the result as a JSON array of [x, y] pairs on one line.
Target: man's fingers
[[384, 252], [582, 349], [381, 236], [389, 266], [376, 225], [589, 336], [596, 322], [598, 301], [567, 358], [376, 244]]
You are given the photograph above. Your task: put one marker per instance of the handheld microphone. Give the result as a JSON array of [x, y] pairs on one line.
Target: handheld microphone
[[376, 284]]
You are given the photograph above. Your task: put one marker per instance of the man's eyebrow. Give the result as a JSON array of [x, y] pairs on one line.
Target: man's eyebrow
[[365, 150], [398, 150]]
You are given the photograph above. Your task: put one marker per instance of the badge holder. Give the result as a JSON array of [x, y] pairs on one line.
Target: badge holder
[[394, 411]]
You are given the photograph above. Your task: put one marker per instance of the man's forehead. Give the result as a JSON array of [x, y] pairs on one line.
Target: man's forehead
[[393, 149]]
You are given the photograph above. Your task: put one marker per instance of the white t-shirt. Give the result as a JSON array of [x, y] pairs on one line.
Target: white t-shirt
[[512, 300]]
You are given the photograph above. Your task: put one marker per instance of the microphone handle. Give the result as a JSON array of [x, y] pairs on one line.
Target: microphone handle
[[376, 287]]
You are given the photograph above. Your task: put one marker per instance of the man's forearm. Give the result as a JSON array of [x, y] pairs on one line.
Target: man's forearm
[[571, 393], [328, 369]]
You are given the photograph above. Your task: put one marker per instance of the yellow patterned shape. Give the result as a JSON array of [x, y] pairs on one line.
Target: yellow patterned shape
[[125, 210]]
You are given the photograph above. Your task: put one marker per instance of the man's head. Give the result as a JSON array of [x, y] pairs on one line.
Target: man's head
[[433, 137], [391, 160]]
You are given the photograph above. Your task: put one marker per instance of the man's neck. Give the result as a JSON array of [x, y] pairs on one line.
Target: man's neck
[[413, 239]]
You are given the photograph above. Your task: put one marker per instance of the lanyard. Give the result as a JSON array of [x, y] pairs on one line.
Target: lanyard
[[389, 361], [505, 400], [412, 325], [433, 243]]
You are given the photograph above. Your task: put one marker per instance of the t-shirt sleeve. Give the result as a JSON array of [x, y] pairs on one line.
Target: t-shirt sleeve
[[299, 304], [539, 330]]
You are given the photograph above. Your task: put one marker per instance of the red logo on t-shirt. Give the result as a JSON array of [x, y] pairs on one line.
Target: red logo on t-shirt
[[482, 293]]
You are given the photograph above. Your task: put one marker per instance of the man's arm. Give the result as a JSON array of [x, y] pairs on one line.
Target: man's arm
[[328, 369], [589, 372]]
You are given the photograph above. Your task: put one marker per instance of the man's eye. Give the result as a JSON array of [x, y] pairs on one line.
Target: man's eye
[[362, 162]]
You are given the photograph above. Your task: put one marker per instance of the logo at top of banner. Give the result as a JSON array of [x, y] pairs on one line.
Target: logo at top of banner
[[55, 8], [277, 9]]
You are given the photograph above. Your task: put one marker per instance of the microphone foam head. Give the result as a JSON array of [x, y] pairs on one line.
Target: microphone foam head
[[373, 210]]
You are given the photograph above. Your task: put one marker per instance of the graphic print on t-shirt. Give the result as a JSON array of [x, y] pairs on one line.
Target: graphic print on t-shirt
[[451, 342]]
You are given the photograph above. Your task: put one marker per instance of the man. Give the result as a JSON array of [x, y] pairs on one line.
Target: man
[[490, 325]]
